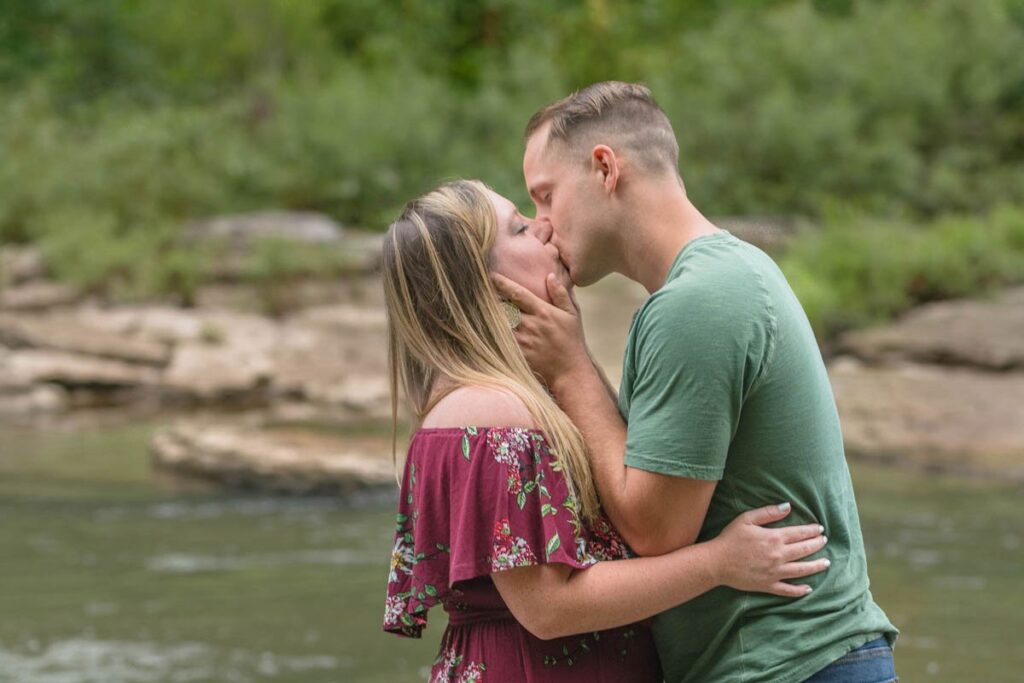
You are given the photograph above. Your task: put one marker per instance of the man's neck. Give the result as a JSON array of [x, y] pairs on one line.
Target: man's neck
[[665, 222]]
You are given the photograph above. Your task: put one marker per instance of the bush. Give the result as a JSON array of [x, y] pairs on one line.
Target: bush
[[122, 120], [861, 271], [899, 107]]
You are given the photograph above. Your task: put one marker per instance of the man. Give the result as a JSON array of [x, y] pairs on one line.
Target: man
[[724, 391]]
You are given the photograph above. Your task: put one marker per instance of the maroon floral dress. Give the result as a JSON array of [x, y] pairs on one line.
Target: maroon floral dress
[[475, 501]]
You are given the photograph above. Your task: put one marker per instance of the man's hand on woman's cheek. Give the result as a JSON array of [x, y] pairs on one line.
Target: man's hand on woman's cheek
[[550, 335]]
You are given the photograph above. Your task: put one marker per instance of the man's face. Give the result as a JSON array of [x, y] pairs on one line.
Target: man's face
[[567, 197]]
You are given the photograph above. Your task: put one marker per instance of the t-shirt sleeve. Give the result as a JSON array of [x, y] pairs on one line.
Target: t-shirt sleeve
[[485, 502], [699, 353]]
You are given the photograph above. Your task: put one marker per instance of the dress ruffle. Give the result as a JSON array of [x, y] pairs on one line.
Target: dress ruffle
[[479, 501]]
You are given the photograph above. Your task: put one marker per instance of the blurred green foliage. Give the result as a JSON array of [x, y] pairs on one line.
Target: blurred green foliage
[[122, 119], [857, 271]]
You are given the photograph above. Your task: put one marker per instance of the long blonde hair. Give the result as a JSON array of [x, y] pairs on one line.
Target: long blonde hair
[[445, 320]]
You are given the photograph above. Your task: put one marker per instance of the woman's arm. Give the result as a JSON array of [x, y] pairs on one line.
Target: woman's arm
[[554, 600]]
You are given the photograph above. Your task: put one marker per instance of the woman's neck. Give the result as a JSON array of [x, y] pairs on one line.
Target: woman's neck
[[439, 387]]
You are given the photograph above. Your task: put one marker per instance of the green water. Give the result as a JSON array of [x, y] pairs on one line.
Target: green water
[[112, 574]]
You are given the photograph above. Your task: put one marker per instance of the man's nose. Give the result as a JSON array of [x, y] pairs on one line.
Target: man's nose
[[544, 230]]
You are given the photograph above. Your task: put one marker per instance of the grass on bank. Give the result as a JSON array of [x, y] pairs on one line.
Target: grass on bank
[[859, 271]]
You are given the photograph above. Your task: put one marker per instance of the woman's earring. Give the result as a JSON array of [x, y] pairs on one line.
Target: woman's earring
[[512, 313]]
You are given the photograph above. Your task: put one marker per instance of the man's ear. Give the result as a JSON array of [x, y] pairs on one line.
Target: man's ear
[[604, 162]]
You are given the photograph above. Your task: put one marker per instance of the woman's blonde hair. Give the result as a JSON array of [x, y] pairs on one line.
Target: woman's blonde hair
[[445, 319]]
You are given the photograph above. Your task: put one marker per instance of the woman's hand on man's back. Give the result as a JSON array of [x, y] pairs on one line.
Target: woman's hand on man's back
[[750, 557]]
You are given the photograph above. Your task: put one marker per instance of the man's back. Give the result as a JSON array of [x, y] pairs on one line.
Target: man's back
[[723, 380]]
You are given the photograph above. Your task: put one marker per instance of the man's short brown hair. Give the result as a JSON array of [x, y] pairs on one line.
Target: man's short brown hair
[[623, 115]]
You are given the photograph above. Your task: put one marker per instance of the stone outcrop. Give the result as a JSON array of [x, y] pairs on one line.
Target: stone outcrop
[[322, 360], [234, 238], [38, 296], [330, 358], [955, 419], [984, 334], [21, 394], [23, 286], [290, 461], [218, 374], [335, 357], [242, 230], [37, 366], [362, 250], [20, 264], [60, 332], [943, 387]]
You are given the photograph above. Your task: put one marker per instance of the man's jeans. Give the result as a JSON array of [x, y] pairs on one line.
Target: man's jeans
[[871, 663]]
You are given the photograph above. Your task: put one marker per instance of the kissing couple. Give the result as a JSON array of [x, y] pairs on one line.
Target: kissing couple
[[699, 524]]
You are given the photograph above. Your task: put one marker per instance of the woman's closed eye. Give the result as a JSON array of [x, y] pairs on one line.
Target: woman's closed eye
[[521, 228]]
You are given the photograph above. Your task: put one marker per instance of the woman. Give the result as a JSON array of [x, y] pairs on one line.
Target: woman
[[498, 517]]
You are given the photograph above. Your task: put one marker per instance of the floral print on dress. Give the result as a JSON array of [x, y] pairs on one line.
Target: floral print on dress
[[466, 433], [393, 608], [403, 557], [604, 542], [509, 551], [449, 669], [520, 450], [405, 610], [476, 501]]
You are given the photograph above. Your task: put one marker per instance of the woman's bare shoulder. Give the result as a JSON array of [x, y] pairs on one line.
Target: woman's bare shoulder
[[478, 406]]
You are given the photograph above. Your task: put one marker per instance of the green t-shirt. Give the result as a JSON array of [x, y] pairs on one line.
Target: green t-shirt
[[723, 380]]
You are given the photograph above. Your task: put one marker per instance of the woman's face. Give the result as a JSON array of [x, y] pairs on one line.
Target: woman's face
[[523, 251]]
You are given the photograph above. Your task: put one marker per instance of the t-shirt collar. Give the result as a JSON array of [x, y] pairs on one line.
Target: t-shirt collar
[[673, 270]]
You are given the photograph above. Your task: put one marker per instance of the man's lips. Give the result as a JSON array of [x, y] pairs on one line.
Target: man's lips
[[560, 266], [564, 270]]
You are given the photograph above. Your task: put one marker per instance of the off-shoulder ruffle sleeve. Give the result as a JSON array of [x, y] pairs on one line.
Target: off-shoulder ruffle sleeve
[[478, 501]]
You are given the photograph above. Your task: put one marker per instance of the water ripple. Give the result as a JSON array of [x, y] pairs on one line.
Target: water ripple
[[97, 661], [186, 563]]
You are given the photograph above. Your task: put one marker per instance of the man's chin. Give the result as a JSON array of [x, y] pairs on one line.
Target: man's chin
[[583, 279]]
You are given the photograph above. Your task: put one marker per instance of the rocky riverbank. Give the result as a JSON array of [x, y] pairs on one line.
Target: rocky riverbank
[[323, 362], [61, 350], [941, 388]]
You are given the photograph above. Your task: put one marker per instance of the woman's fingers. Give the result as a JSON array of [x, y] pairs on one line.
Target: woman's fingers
[[793, 534], [766, 514], [795, 551], [795, 570], [788, 590]]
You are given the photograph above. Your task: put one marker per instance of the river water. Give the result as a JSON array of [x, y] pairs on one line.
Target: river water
[[111, 573]]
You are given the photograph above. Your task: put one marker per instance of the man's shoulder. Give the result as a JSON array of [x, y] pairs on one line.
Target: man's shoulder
[[717, 286], [728, 263]]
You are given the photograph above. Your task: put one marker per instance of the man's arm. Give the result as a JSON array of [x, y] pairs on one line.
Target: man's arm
[[612, 394], [655, 513]]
